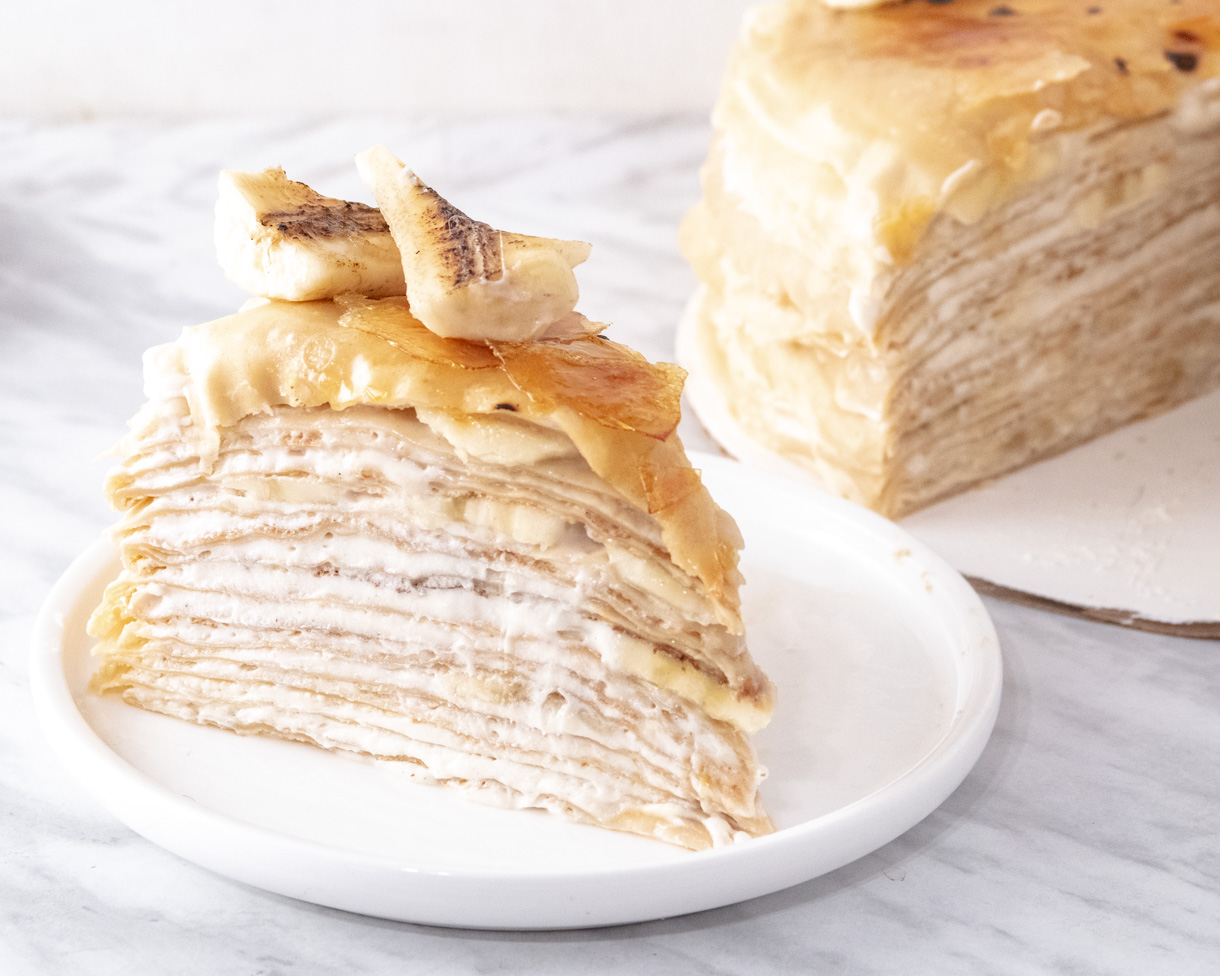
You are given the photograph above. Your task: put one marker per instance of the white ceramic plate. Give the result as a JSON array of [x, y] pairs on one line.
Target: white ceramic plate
[[888, 672]]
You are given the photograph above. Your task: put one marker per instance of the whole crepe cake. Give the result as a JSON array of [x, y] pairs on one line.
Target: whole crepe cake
[[453, 530], [941, 240]]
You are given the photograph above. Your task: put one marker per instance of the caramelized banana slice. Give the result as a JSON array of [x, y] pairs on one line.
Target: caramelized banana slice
[[465, 279], [277, 238]]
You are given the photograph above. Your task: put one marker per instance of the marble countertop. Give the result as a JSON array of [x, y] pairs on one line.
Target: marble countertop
[[1084, 842]]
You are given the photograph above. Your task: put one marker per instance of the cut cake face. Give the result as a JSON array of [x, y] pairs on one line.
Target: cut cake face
[[941, 241], [488, 563]]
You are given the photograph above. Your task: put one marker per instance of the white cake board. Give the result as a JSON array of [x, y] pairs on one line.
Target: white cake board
[[1124, 529]]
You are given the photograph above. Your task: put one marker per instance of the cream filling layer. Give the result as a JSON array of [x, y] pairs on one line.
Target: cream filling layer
[[363, 729], [273, 617], [273, 489], [312, 583], [423, 490]]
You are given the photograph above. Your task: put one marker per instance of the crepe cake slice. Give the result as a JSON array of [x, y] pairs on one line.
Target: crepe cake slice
[[490, 564]]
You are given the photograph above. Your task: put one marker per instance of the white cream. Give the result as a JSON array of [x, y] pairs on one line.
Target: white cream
[[406, 497]]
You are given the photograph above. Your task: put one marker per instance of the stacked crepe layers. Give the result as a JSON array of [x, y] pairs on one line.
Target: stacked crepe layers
[[939, 242], [487, 562]]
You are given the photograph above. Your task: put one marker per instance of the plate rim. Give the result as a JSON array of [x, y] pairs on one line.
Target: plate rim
[[123, 790]]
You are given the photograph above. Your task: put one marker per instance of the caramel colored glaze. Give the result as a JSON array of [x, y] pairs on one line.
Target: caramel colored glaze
[[596, 378], [391, 319], [950, 84]]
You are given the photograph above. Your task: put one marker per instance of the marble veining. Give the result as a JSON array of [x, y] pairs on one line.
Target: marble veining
[[1085, 842]]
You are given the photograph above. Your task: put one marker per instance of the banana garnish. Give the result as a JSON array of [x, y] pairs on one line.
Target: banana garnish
[[277, 238], [465, 279]]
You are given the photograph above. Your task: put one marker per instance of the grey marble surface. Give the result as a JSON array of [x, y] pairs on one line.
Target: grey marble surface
[[1085, 841]]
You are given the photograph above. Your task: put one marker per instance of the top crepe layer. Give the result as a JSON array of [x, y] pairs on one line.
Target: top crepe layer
[[960, 91], [619, 410]]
